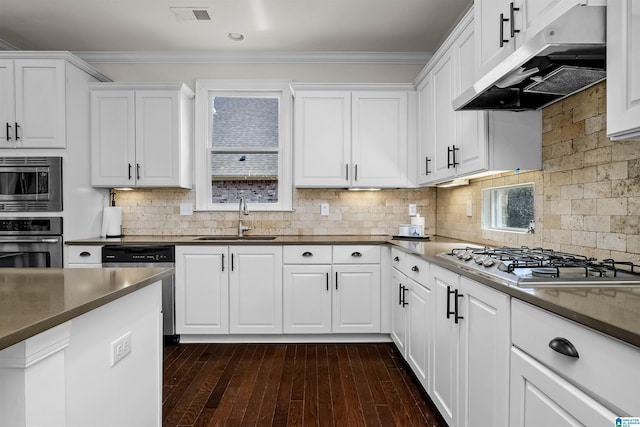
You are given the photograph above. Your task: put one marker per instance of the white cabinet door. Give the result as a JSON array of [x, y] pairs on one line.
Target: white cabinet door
[[540, 397], [113, 138], [420, 331], [202, 290], [307, 299], [356, 298], [470, 126], [398, 311], [40, 103], [255, 289], [157, 135], [379, 143], [33, 105], [322, 138], [7, 104], [426, 138], [443, 123], [445, 345], [623, 69], [493, 33], [485, 343]]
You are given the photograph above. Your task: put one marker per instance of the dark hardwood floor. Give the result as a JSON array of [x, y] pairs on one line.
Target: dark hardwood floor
[[291, 385]]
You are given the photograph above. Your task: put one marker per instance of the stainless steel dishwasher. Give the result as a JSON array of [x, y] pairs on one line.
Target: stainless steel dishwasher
[[131, 256]]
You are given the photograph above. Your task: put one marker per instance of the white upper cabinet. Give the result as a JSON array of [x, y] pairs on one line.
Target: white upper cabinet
[[32, 103], [623, 69], [502, 26], [455, 144], [141, 135], [351, 138]]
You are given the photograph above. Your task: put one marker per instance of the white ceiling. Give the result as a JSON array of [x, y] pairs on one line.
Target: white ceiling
[[268, 25]]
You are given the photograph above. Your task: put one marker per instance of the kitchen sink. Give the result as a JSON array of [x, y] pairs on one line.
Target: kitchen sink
[[235, 238]]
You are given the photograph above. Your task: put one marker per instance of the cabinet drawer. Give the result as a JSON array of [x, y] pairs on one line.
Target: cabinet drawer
[[399, 259], [86, 254], [417, 268], [606, 367], [307, 254], [360, 254]]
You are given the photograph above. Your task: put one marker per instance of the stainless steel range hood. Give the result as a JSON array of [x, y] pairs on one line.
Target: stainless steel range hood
[[565, 57]]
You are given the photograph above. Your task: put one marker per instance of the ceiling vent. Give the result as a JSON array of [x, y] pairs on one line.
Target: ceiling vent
[[191, 13]]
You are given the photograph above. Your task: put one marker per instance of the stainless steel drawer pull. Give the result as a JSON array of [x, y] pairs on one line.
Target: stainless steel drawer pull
[[307, 254], [356, 254], [563, 346]]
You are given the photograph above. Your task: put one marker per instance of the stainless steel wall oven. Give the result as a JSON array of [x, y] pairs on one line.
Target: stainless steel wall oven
[[27, 242], [31, 184]]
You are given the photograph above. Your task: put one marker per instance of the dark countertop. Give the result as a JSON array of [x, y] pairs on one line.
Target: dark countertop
[[193, 240], [613, 311], [33, 300]]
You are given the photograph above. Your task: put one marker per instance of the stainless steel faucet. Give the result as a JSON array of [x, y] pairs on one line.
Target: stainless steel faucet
[[242, 209]]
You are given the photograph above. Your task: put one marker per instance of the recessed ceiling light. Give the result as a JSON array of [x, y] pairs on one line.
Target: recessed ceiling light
[[236, 37]]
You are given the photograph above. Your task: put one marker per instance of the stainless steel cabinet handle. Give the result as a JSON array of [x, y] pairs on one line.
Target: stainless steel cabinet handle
[[356, 254], [426, 165], [512, 18], [307, 254], [563, 346]]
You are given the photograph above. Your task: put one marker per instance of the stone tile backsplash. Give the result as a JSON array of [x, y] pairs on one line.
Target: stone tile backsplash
[[587, 195], [157, 212]]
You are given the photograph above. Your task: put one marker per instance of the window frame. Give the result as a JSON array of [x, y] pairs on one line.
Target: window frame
[[202, 144], [491, 209]]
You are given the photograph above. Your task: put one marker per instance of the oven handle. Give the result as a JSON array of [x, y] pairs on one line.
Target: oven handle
[[45, 240]]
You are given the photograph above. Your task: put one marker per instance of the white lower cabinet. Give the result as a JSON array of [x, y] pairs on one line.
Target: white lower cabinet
[[202, 290], [540, 397], [307, 299], [565, 374], [356, 300], [412, 313], [255, 290], [221, 289], [471, 350]]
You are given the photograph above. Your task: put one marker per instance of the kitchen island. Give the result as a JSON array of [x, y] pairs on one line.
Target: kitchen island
[[80, 346]]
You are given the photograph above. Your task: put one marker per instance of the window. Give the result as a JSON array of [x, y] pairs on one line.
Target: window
[[243, 139], [509, 208]]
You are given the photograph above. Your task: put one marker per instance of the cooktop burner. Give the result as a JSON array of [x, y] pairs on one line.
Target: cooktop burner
[[538, 266]]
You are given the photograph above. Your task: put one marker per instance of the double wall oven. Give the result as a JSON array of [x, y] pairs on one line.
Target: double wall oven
[[30, 186]]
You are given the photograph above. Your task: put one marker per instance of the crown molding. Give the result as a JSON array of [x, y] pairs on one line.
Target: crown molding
[[403, 58]]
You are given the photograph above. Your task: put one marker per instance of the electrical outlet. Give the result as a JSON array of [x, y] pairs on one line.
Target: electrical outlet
[[413, 210], [324, 209], [120, 348], [186, 209]]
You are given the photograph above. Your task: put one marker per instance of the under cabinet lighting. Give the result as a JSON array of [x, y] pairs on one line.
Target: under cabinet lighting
[[455, 183]]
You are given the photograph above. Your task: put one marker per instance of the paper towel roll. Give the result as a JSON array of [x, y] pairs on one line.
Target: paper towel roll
[[417, 225], [112, 221]]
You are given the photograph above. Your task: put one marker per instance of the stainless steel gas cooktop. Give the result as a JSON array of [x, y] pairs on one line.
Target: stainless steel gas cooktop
[[529, 267]]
